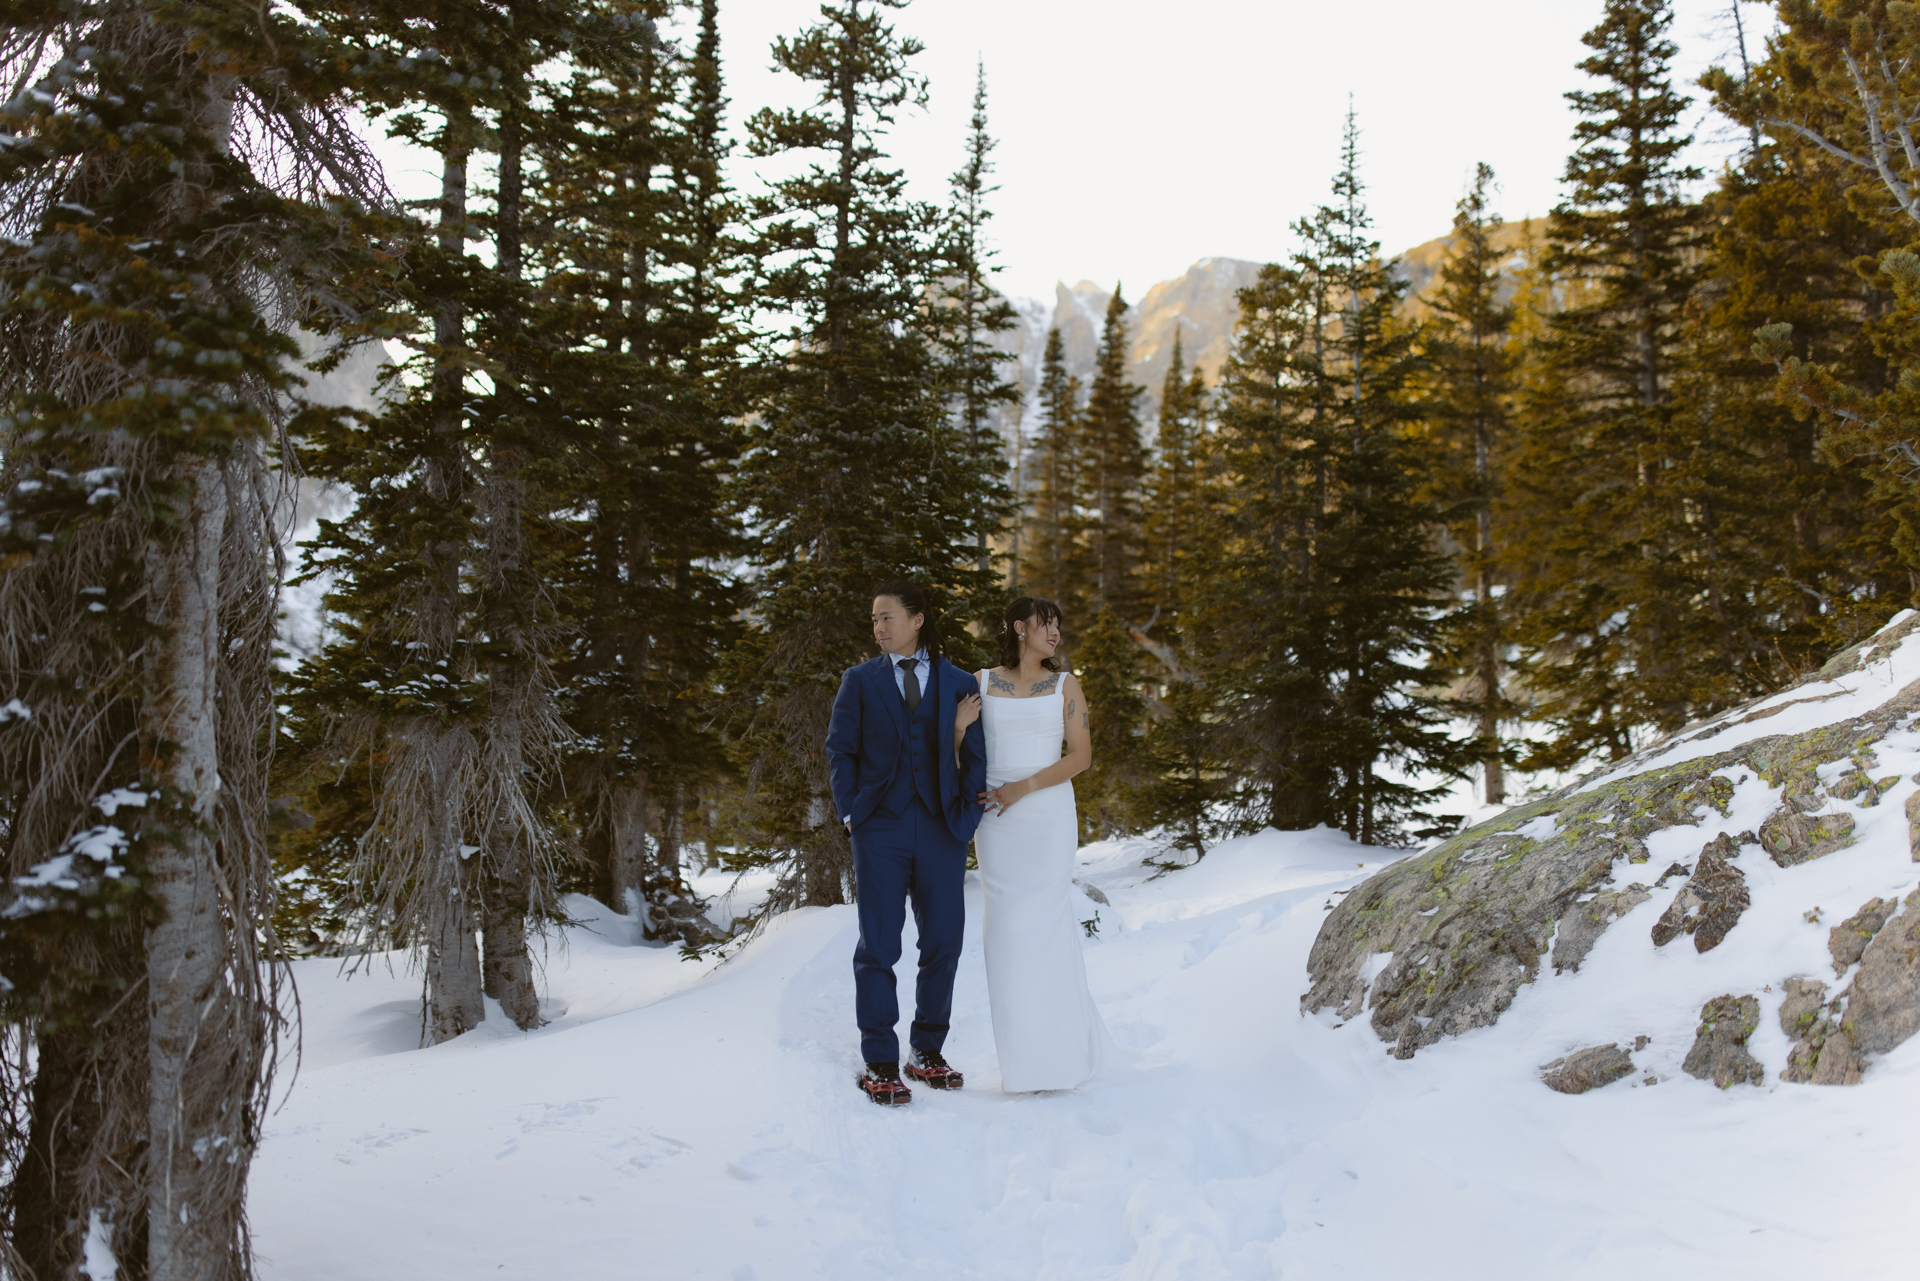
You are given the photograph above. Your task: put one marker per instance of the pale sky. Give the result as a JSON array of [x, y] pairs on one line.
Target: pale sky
[[1136, 137]]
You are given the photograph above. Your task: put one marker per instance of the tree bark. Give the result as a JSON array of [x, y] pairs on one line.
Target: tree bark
[[193, 1136], [628, 854]]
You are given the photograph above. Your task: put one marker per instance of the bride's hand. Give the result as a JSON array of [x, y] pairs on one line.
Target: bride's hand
[[1000, 799], [965, 713]]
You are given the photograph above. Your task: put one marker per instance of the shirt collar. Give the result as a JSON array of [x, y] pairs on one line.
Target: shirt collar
[[919, 654]]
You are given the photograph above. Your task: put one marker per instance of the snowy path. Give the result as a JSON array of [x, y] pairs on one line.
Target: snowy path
[[672, 1123]]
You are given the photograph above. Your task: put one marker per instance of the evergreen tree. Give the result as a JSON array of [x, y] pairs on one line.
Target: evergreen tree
[[855, 474], [157, 248], [1053, 565], [441, 675], [1108, 666], [1838, 81], [1175, 510], [1598, 605], [1469, 395], [1114, 459], [1329, 580], [968, 315], [638, 214]]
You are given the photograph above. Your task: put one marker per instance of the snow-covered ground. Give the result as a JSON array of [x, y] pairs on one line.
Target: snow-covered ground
[[677, 1120]]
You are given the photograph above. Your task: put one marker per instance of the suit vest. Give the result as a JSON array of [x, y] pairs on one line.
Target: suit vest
[[921, 775]]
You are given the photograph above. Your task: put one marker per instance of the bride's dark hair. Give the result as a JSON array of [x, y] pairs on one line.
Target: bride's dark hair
[[1026, 609]]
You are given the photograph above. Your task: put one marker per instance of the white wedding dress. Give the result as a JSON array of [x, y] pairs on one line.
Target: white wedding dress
[[1045, 1026]]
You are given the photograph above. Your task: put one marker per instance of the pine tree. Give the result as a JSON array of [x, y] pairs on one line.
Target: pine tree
[[968, 315], [441, 676], [1108, 665], [639, 211], [856, 474], [1469, 394], [1052, 567], [1175, 516], [1114, 458], [1597, 609], [1838, 81], [155, 259], [1330, 578]]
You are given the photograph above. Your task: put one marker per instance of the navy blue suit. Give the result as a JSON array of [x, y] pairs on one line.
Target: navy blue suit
[[912, 811]]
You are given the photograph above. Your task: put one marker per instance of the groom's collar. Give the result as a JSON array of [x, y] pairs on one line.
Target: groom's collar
[[919, 655]]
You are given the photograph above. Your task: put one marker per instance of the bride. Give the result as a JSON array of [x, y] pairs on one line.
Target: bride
[[1048, 1033]]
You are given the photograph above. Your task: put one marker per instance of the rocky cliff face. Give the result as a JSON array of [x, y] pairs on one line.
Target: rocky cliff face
[[1756, 869], [1200, 306]]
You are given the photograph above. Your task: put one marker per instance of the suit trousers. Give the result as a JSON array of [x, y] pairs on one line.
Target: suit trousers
[[913, 857]]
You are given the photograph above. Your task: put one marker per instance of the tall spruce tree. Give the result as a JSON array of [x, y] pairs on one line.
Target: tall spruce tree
[[160, 239], [1114, 457], [1840, 79], [855, 474], [638, 212], [968, 315], [1330, 579], [1052, 550], [1469, 391], [1175, 510], [440, 679], [1597, 605]]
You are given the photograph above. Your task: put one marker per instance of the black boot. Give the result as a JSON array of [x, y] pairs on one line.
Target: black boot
[[928, 1067], [881, 1082]]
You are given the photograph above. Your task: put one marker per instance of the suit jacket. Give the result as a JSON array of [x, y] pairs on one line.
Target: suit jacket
[[867, 744]]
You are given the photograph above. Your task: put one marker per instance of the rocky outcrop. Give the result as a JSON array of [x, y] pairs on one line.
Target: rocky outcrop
[[1822, 1053], [1466, 923], [1711, 901], [1883, 1001], [1790, 837], [1913, 826], [1587, 1069], [1585, 921], [1847, 940], [1719, 1052]]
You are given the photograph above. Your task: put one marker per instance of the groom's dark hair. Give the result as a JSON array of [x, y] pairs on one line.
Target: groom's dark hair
[[913, 599]]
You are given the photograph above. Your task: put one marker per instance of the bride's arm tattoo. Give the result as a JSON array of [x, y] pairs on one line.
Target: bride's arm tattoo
[[997, 681], [1045, 686]]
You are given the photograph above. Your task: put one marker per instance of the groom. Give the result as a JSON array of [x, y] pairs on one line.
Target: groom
[[908, 796]]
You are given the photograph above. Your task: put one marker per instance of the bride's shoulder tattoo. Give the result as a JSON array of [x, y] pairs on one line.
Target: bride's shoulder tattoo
[[1045, 686], [996, 681]]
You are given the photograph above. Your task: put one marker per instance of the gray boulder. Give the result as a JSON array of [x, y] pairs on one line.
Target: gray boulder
[[1587, 1069], [1883, 1001], [1719, 1052], [1847, 940]]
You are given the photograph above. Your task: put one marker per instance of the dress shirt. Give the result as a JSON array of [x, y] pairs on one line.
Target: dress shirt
[[919, 671]]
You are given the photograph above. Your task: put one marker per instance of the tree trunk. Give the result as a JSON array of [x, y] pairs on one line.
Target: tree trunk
[[454, 987], [509, 967], [195, 1135], [627, 857]]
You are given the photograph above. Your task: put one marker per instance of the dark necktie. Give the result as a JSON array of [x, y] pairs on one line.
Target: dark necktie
[[911, 687]]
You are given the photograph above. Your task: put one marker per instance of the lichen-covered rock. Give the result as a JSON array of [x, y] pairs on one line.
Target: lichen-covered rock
[[1711, 901], [1847, 940], [1587, 1069], [1883, 1001], [1584, 922], [1467, 922], [1719, 1052], [1803, 1006], [1913, 826], [1791, 837]]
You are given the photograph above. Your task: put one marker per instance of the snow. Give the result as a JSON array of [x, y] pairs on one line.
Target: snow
[[687, 1119]]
